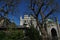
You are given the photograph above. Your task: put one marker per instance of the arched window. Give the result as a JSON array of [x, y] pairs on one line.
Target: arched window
[[53, 32]]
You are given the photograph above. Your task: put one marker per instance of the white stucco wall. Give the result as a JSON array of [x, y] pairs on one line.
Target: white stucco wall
[[28, 20], [50, 27]]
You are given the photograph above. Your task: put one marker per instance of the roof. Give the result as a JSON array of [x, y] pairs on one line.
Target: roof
[[1, 18], [18, 28]]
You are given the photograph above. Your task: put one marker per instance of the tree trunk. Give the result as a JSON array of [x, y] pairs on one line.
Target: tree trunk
[[44, 33], [42, 29]]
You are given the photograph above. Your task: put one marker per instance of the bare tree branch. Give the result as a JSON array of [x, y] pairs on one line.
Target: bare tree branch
[[50, 13]]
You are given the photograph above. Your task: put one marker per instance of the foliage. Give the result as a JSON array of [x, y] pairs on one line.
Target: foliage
[[32, 34], [2, 35], [11, 35], [12, 25]]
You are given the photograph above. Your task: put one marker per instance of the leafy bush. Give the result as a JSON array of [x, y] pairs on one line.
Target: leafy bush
[[32, 34], [11, 35]]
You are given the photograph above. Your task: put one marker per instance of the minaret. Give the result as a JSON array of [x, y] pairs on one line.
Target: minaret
[[21, 20], [57, 23]]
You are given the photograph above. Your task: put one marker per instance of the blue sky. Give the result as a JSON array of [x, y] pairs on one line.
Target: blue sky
[[22, 8]]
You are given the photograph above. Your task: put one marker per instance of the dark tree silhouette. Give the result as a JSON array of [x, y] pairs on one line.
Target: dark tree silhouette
[[8, 6], [43, 8]]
